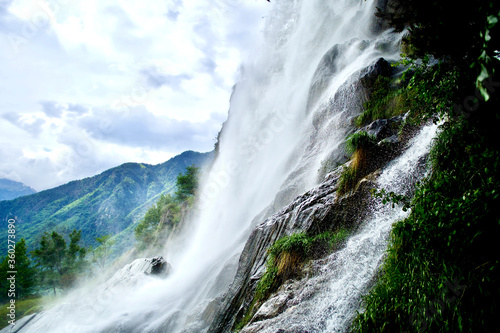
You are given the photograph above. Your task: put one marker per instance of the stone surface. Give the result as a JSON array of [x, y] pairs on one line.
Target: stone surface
[[384, 128], [316, 211], [387, 11]]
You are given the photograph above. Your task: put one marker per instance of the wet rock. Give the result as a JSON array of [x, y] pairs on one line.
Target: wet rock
[[316, 211], [388, 11], [367, 80], [132, 273], [384, 128], [394, 139], [272, 307], [158, 267]]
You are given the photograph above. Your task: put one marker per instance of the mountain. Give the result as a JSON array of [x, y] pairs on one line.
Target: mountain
[[104, 204], [10, 189]]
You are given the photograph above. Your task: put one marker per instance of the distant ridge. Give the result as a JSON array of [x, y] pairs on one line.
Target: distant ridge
[[108, 203], [10, 189]]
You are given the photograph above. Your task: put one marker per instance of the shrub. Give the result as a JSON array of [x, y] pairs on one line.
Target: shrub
[[359, 145], [442, 271], [288, 254], [359, 140]]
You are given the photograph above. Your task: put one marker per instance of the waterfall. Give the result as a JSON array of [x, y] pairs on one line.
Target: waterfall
[[290, 112], [327, 301]]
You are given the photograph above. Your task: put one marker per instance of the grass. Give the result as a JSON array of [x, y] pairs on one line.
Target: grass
[[286, 257], [23, 307], [288, 254], [360, 145]]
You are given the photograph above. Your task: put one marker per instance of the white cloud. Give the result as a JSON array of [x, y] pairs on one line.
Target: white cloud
[[88, 85]]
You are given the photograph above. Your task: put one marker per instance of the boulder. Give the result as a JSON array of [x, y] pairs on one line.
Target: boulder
[[384, 128], [158, 266]]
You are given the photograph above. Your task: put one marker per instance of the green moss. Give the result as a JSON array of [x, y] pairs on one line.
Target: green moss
[[386, 101], [348, 180]]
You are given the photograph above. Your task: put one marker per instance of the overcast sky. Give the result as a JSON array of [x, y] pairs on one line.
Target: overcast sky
[[88, 85]]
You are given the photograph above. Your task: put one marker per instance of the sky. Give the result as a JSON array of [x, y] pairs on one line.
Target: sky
[[89, 85]]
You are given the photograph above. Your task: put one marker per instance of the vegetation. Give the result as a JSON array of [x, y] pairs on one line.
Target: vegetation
[[101, 255], [360, 145], [25, 276], [386, 100], [59, 263], [441, 273], [187, 183], [23, 307], [168, 212], [285, 260], [104, 204], [288, 254]]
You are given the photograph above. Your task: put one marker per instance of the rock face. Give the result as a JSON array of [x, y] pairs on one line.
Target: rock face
[[389, 11], [316, 211]]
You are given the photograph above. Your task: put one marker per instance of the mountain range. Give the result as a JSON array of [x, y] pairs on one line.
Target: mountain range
[[109, 203], [10, 189]]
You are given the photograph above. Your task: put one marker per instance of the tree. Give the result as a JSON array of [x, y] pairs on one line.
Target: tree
[[59, 264], [187, 183], [101, 254], [466, 35], [168, 212], [25, 276], [147, 227]]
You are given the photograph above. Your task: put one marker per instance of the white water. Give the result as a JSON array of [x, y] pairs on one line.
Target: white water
[[278, 133], [328, 301]]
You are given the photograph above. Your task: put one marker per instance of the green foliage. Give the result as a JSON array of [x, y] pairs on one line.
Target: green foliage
[[59, 263], [393, 198], [101, 255], [359, 145], [168, 212], [440, 28], [432, 89], [287, 255], [187, 183], [25, 276], [442, 269], [108, 203], [147, 228], [23, 307], [385, 102], [348, 180], [359, 140]]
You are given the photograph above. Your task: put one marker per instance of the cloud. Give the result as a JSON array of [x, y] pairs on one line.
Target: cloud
[[78, 108], [32, 126], [52, 109], [173, 10], [155, 79], [140, 128], [104, 82]]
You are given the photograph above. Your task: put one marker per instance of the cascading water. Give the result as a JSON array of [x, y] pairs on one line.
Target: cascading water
[[291, 111], [328, 300]]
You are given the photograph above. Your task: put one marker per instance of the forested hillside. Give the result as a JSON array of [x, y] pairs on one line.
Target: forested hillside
[[104, 204]]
